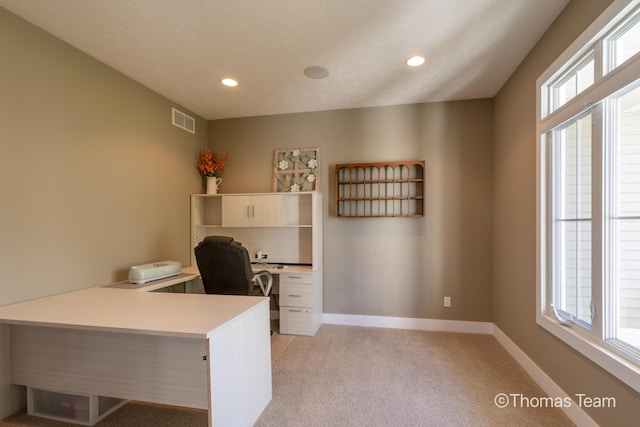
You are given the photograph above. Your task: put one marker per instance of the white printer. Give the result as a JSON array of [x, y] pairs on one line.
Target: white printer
[[154, 271]]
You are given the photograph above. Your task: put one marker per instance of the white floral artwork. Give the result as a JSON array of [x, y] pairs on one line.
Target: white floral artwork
[[295, 169]]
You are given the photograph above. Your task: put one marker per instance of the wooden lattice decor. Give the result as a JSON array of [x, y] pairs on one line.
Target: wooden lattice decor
[[295, 169]]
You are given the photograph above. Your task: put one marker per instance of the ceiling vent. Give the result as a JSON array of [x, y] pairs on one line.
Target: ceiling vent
[[183, 121]]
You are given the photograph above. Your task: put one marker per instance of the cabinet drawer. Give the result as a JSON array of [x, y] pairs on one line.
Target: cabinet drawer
[[296, 321], [296, 295], [306, 279]]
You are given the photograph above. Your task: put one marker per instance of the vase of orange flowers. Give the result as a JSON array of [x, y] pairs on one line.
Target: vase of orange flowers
[[211, 167]]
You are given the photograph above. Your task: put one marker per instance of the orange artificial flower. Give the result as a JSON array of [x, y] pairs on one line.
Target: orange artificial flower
[[210, 165]]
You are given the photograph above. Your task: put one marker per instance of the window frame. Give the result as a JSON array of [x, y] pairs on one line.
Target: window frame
[[553, 104], [555, 198], [593, 342], [611, 205]]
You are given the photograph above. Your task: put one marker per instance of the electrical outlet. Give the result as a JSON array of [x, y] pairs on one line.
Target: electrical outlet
[[447, 301]]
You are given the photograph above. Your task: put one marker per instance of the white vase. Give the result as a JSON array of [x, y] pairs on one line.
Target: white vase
[[213, 183]]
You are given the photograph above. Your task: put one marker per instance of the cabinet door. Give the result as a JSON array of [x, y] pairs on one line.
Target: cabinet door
[[252, 211], [266, 211], [236, 211]]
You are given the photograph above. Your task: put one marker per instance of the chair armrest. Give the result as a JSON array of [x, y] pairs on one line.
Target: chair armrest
[[260, 278]]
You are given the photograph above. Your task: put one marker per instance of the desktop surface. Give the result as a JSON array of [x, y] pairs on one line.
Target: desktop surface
[[187, 315], [191, 273], [282, 268]]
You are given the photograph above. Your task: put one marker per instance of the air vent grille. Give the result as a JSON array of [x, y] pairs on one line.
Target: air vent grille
[[183, 121]]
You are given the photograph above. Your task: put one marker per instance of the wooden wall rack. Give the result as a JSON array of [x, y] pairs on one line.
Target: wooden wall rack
[[386, 189]]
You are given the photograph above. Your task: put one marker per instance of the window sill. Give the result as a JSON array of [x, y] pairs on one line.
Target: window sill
[[611, 362]]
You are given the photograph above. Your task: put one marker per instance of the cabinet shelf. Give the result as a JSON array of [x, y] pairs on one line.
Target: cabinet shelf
[[383, 181], [274, 226], [386, 189], [386, 216], [378, 198]]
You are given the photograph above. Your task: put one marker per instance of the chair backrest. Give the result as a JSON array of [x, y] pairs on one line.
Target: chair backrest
[[225, 266]]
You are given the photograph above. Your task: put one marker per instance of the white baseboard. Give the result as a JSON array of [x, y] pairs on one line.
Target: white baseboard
[[409, 323], [574, 412]]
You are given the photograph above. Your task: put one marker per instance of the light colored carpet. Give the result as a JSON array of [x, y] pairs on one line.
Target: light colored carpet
[[354, 376]]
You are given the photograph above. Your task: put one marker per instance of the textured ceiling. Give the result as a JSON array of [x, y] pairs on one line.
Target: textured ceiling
[[181, 48]]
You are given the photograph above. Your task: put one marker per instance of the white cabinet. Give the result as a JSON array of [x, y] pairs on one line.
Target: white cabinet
[[285, 226], [252, 211], [300, 303]]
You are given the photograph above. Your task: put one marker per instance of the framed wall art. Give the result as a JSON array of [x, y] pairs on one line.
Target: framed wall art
[[295, 170]]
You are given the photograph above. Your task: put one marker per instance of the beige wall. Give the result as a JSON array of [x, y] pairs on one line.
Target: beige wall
[[515, 226], [401, 267], [93, 176]]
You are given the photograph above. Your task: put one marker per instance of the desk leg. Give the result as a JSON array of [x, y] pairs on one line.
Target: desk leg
[[239, 368], [12, 397]]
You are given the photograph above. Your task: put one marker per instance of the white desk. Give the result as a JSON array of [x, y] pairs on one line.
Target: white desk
[[202, 351], [299, 288], [192, 272], [187, 274]]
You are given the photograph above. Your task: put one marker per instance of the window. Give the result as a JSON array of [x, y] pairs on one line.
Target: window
[[572, 83], [625, 41], [589, 194], [625, 222], [572, 220]]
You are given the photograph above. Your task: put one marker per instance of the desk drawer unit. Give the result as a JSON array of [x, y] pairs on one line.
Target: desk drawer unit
[[300, 303]]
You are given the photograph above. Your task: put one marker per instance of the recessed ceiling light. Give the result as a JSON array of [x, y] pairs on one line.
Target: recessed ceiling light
[[316, 72], [415, 61], [229, 82]]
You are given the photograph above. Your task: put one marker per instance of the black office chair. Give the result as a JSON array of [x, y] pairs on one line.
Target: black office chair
[[225, 268]]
